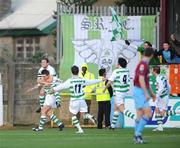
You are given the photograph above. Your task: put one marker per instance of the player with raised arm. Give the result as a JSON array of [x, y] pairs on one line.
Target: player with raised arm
[[121, 82], [162, 98], [51, 101], [77, 98]]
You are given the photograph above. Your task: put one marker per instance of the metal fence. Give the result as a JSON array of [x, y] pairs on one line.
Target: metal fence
[[104, 10]]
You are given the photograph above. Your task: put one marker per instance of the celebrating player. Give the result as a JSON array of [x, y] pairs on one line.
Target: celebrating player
[[45, 65], [50, 102], [121, 80], [77, 98], [162, 98]]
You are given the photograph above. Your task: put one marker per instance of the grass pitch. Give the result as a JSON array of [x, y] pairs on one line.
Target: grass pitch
[[19, 137]]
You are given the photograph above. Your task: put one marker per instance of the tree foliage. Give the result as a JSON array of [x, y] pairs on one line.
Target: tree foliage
[[78, 2], [139, 3]]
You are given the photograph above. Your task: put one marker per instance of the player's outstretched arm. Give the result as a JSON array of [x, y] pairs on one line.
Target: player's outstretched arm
[[91, 82], [107, 85], [62, 86]]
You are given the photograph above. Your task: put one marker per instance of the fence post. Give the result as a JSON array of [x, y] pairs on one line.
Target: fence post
[[157, 30], [1, 102], [122, 9], [58, 44]]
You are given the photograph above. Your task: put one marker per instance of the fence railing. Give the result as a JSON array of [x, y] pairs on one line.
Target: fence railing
[[104, 10]]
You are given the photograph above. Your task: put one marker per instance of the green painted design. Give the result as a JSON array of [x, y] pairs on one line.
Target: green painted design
[[147, 28], [68, 49]]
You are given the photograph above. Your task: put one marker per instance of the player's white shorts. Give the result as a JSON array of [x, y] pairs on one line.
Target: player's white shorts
[[76, 106], [119, 98], [50, 100], [162, 103]]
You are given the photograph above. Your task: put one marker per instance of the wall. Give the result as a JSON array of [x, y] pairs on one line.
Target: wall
[[4, 72], [46, 44], [7, 43]]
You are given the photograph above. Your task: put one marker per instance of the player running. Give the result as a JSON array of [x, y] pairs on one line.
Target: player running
[[77, 98], [121, 80], [162, 98]]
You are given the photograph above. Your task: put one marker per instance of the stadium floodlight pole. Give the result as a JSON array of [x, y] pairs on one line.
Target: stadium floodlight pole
[[58, 34]]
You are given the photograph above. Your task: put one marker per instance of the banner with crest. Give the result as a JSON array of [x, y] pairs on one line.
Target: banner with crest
[[100, 40]]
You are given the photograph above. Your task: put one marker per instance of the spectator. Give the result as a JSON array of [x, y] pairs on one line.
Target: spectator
[[146, 44], [167, 53], [176, 45], [103, 100], [88, 89]]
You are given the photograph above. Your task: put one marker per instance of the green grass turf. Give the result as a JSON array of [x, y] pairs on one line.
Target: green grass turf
[[92, 138]]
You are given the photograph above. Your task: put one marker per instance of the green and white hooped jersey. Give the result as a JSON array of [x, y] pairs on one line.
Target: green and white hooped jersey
[[49, 91], [121, 79], [76, 88], [76, 85], [162, 86]]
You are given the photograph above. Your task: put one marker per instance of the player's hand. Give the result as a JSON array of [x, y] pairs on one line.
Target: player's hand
[[154, 98], [147, 97], [58, 104], [104, 79], [59, 80], [173, 37]]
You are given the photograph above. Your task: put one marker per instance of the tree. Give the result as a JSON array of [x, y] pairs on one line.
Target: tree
[[70, 3], [139, 3]]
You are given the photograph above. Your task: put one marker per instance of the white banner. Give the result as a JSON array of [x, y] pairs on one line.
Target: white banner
[[93, 43]]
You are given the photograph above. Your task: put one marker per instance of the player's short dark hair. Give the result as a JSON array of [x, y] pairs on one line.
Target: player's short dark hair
[[166, 42], [75, 70], [148, 52], [46, 59], [45, 72], [149, 44], [157, 69], [102, 71], [122, 62]]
